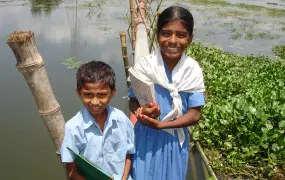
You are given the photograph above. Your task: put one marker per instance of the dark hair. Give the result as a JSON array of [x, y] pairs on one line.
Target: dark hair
[[176, 12], [95, 71]]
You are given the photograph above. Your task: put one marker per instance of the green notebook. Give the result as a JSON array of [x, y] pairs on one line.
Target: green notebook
[[88, 169]]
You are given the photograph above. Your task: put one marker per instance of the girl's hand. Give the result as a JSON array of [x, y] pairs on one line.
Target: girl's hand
[[148, 121], [151, 110]]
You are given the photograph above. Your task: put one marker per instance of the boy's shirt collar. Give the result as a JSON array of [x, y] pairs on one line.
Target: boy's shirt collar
[[89, 120]]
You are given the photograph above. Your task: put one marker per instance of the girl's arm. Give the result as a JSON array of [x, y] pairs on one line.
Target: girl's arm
[[127, 167], [190, 118], [72, 172]]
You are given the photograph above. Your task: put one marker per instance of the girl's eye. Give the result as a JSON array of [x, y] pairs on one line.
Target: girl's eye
[[182, 35], [165, 33]]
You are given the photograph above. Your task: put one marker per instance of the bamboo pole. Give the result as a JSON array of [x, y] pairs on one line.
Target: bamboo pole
[[142, 13], [125, 55], [133, 23], [204, 158], [31, 65]]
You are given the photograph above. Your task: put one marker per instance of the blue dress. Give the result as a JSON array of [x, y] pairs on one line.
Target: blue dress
[[158, 154]]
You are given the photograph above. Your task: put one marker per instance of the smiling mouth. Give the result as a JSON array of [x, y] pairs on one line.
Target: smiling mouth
[[172, 49]]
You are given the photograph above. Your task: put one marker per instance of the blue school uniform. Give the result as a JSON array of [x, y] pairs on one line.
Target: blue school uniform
[[159, 155], [107, 149]]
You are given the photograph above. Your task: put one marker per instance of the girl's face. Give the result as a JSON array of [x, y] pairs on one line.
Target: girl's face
[[173, 39]]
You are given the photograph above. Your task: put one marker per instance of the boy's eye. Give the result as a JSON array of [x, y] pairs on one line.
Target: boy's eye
[[101, 95], [87, 94]]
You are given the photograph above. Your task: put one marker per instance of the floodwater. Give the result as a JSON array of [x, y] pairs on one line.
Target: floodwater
[[70, 28]]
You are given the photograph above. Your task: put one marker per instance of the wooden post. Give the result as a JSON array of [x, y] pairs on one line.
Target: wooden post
[[31, 65], [133, 23], [125, 55]]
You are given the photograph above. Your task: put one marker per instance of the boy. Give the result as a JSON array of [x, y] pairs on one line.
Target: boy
[[99, 132]]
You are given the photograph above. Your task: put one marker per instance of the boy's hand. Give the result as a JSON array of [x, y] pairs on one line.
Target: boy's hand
[[153, 123], [72, 172], [151, 110]]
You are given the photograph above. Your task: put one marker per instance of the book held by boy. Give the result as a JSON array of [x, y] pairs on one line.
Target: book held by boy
[[144, 90], [88, 169]]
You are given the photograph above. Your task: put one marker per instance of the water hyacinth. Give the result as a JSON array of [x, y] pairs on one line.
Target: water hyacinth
[[244, 118]]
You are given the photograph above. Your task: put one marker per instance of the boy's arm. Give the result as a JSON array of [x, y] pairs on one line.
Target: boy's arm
[[128, 163], [72, 172]]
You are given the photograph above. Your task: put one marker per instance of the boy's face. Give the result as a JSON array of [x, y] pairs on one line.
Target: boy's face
[[95, 97]]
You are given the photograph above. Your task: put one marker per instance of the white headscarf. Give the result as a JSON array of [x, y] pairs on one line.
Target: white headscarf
[[186, 76]]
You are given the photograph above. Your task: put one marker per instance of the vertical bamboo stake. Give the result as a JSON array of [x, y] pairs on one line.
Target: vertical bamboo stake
[[141, 13], [133, 23], [125, 55], [31, 65]]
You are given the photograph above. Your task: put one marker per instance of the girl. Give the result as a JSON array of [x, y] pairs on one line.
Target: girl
[[162, 145]]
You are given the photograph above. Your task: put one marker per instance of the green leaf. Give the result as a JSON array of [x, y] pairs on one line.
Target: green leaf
[[269, 125], [69, 67], [228, 145], [275, 147], [224, 122], [273, 156], [281, 124]]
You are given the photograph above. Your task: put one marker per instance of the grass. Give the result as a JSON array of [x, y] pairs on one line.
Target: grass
[[247, 31], [211, 2], [233, 13], [269, 11], [227, 24]]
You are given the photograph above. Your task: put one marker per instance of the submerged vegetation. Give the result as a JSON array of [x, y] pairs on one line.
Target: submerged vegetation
[[258, 9], [243, 125], [279, 51], [72, 63]]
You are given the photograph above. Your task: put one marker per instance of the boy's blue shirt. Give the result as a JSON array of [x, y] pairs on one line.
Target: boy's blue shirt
[[107, 149]]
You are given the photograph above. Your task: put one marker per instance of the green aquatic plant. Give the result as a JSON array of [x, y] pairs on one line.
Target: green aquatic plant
[[46, 6], [249, 36], [211, 2], [71, 63], [227, 24], [236, 35], [267, 35], [279, 51], [242, 128], [257, 9], [232, 13]]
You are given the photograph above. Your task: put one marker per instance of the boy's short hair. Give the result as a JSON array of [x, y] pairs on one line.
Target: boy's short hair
[[95, 71]]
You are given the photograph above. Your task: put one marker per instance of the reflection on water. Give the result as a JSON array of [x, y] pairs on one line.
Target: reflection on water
[[43, 6]]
